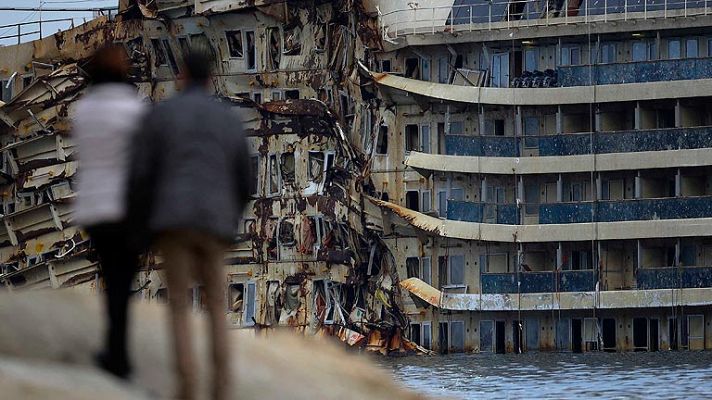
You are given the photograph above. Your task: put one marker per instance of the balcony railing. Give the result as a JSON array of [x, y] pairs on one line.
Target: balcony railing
[[635, 72], [498, 14], [482, 212], [626, 210], [673, 278], [538, 282], [580, 143], [583, 212]]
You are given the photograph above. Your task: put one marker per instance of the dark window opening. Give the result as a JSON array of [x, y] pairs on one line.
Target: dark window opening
[[254, 165], [257, 97], [576, 336], [171, 57], [292, 94], [160, 54], [382, 144], [415, 333], [412, 266], [274, 45], [286, 233], [411, 200], [517, 336], [287, 167], [234, 43], [412, 68], [666, 118], [251, 54], [26, 81], [292, 41], [235, 294], [443, 335], [640, 334], [184, 45], [316, 165], [500, 342], [499, 127], [654, 343], [411, 137], [609, 334], [385, 65], [384, 196]]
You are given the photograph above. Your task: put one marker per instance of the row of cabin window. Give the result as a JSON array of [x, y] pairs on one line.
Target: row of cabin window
[[281, 169], [452, 267], [569, 55], [241, 45], [685, 333], [309, 239], [451, 335], [421, 201], [242, 298], [451, 271]]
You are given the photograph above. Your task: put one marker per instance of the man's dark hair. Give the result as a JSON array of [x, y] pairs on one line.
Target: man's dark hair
[[198, 64], [109, 64]]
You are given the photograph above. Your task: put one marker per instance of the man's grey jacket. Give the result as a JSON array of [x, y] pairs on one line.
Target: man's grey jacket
[[190, 168]]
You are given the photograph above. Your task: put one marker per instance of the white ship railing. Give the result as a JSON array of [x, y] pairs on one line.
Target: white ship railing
[[499, 14]]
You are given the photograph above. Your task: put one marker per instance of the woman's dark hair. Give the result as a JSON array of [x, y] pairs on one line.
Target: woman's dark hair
[[109, 64]]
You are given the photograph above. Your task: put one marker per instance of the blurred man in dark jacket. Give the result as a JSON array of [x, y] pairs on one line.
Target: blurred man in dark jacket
[[190, 182]]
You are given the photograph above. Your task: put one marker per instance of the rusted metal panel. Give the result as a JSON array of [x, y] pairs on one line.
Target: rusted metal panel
[[424, 291]]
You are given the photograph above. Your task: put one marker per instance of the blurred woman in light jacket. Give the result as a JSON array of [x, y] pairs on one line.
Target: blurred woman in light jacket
[[105, 121]]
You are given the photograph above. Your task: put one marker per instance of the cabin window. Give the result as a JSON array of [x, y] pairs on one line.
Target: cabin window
[[674, 49], [286, 233], [691, 48], [171, 57], [411, 200], [382, 143], [316, 166], [255, 167], [274, 181], [411, 138], [250, 304], [287, 167], [292, 41], [412, 68], [486, 336], [426, 202], [251, 53], [457, 336], [184, 45], [274, 45], [234, 43], [571, 55], [160, 54]]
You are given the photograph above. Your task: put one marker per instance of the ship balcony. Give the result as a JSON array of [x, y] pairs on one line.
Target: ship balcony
[[473, 16], [635, 72], [538, 282], [568, 144], [583, 212], [674, 277]]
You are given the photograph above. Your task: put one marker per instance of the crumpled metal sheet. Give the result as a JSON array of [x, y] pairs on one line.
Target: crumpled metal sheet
[[424, 291]]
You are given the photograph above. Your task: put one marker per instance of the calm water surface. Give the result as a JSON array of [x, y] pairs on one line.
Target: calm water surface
[[559, 376]]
